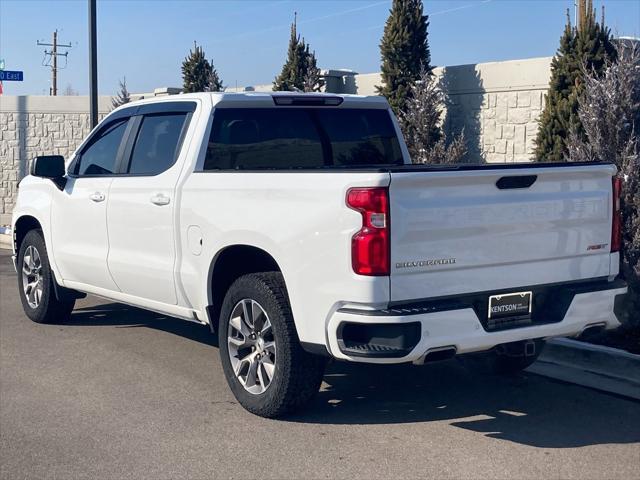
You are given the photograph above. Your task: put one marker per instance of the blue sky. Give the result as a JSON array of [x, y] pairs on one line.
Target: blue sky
[[147, 40]]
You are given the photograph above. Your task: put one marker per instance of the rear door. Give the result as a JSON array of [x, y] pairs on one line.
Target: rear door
[[140, 214], [455, 232]]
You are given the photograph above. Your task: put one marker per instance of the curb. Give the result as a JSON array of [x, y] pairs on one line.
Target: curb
[[594, 366]]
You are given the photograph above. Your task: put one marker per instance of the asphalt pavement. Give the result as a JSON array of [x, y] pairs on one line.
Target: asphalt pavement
[[118, 392]]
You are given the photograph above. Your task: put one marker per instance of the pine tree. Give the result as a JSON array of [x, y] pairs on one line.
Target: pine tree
[[122, 96], [420, 124], [313, 82], [585, 47], [404, 51], [291, 77], [214, 83], [610, 114], [300, 71], [198, 73]]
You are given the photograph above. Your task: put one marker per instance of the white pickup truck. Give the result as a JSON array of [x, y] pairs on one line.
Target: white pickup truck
[[296, 227]]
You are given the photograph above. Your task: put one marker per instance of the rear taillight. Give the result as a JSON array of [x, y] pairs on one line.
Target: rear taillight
[[370, 246], [616, 224]]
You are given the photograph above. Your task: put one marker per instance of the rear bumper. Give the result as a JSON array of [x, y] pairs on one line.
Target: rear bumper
[[462, 329]]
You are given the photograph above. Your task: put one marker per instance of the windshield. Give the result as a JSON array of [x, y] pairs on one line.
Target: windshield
[[283, 138]]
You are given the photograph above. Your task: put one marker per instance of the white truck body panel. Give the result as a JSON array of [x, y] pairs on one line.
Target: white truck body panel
[[160, 256], [498, 239], [79, 231], [310, 240]]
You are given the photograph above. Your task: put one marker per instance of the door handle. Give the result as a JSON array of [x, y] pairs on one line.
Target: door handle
[[160, 199], [97, 197]]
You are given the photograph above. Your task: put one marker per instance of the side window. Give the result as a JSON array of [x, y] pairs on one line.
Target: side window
[[264, 138], [100, 156], [157, 144]]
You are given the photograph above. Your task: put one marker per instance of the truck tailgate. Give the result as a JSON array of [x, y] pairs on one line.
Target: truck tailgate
[[456, 232]]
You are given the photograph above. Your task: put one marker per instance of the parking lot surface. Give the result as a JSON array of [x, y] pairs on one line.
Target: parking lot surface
[[118, 392]]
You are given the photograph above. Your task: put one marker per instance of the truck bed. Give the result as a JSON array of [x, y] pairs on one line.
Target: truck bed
[[415, 167]]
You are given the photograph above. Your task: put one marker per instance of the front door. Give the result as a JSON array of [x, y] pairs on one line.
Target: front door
[[79, 212]]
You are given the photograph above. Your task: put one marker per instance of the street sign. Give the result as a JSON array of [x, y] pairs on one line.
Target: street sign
[[11, 76]]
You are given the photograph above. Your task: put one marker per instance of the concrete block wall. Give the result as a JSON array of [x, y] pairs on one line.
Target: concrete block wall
[[498, 104], [38, 125]]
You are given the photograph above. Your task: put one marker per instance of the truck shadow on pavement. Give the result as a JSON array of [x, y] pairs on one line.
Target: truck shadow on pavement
[[123, 316], [526, 408]]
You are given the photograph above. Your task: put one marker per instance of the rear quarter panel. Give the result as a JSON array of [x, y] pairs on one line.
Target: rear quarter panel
[[300, 219]]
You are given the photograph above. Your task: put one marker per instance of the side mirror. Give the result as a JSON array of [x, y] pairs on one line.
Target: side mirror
[[49, 166]]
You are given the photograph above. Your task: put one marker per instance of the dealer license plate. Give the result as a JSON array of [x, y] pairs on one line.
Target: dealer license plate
[[510, 305]]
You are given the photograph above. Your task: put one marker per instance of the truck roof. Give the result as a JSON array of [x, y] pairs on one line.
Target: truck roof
[[266, 99]]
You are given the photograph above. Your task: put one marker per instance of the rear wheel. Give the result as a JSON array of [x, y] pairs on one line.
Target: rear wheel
[[266, 368], [35, 282], [507, 359]]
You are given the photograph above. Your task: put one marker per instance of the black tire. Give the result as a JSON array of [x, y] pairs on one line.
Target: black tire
[[49, 309], [507, 359], [298, 374]]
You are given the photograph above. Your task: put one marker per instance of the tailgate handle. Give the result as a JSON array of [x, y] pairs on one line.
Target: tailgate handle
[[516, 181]]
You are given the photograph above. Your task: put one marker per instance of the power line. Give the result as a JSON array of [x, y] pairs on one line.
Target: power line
[[339, 13], [430, 14], [51, 60]]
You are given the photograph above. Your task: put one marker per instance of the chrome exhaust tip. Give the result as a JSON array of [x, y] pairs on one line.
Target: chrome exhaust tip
[[437, 354], [593, 328]]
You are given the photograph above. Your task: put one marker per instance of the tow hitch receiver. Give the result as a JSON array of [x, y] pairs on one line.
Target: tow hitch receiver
[[526, 348]]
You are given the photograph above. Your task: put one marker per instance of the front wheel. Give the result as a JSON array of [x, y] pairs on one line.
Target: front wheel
[[35, 282], [266, 368]]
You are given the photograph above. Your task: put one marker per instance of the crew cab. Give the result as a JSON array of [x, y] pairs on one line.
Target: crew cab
[[296, 227]]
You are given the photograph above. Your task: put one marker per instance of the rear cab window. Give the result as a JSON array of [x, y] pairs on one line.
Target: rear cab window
[[299, 138]]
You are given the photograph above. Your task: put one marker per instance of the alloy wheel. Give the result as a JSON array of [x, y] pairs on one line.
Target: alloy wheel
[[252, 346], [32, 280]]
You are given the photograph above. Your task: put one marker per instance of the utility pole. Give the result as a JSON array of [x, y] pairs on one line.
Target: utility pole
[[53, 55], [93, 65]]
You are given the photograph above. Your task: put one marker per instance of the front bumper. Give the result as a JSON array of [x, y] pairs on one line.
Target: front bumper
[[463, 331]]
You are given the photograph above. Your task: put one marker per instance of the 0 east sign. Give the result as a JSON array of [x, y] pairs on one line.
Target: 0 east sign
[[11, 76]]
